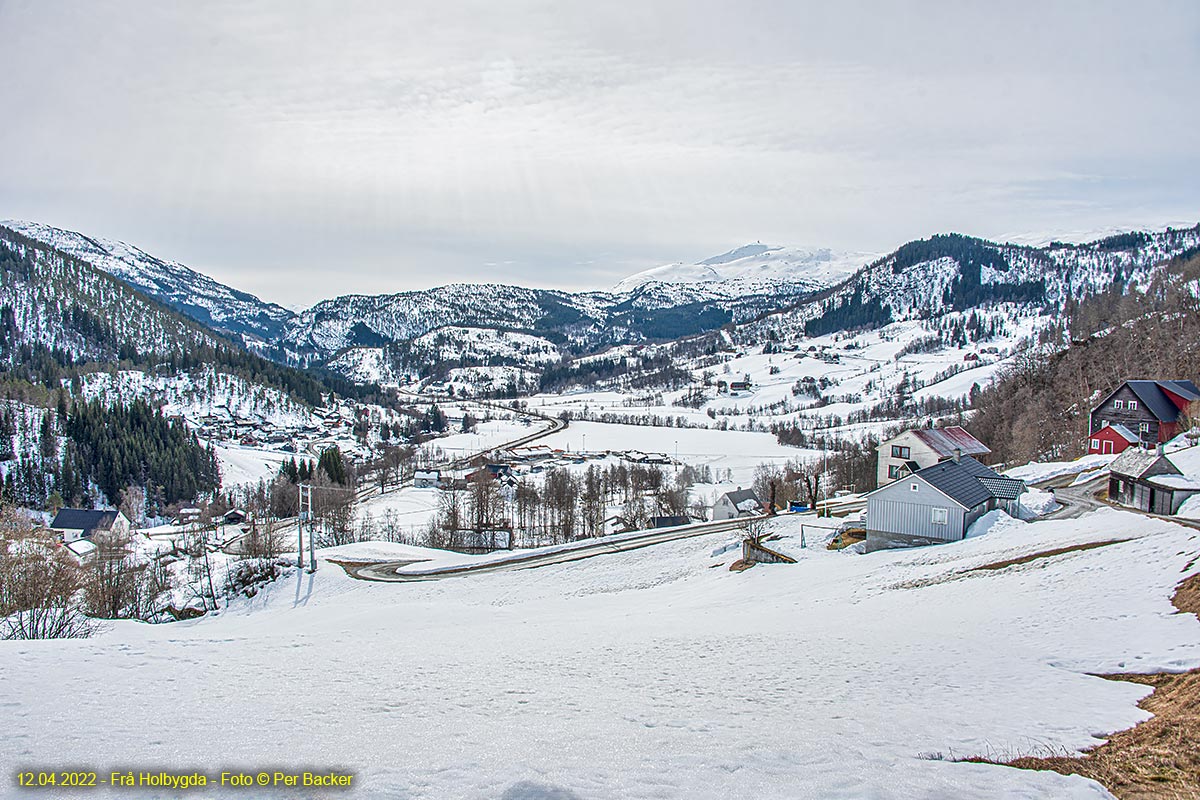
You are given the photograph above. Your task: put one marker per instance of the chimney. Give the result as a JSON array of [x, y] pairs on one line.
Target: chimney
[[957, 454]]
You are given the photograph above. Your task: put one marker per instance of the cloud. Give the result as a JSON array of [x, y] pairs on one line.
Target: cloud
[[570, 143]]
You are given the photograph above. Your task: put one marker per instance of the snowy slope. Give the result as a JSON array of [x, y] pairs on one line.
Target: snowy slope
[[653, 673], [760, 266], [197, 295]]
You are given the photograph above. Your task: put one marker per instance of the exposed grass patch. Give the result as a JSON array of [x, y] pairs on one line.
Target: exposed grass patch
[[1159, 758], [1012, 562]]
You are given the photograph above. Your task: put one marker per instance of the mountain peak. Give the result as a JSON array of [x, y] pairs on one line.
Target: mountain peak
[[807, 267]]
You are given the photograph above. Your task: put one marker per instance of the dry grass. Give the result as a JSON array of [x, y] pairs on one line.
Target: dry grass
[[1012, 562], [1159, 758], [847, 538]]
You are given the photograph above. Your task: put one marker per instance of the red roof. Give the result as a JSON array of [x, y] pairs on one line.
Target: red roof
[[944, 441]]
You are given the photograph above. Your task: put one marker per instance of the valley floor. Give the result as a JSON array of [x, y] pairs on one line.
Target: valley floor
[[656, 673]]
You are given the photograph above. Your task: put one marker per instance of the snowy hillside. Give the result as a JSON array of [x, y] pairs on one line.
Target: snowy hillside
[[758, 265], [651, 673], [197, 295], [952, 272]]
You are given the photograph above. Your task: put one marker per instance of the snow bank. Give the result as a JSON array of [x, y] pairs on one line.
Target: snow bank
[[1035, 471], [1035, 503], [1190, 508]]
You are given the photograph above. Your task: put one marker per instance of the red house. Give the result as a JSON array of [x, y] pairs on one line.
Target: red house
[[1112, 438], [1150, 410]]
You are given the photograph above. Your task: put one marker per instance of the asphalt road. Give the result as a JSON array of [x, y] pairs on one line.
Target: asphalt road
[[386, 571]]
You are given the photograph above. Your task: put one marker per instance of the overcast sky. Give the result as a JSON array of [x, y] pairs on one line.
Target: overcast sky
[[304, 150]]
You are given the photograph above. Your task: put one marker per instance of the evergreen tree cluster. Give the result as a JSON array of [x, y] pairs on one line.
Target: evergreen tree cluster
[[119, 446]]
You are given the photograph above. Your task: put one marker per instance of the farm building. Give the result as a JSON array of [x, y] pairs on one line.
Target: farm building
[[1150, 410], [937, 504], [918, 448], [1150, 481]]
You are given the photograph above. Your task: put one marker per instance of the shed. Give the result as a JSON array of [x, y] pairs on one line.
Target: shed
[[1150, 481]]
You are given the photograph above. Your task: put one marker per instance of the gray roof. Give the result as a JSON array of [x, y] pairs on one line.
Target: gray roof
[[960, 480], [1156, 401], [84, 520], [1004, 488], [1136, 462], [739, 496]]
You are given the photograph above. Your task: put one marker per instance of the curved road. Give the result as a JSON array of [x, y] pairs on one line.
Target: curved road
[[386, 570]]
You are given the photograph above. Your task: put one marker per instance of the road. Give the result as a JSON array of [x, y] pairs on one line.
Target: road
[[386, 571], [1081, 499], [1076, 500]]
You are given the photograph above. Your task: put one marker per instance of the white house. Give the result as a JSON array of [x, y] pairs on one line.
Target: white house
[[73, 524], [918, 448], [427, 479], [738, 503]]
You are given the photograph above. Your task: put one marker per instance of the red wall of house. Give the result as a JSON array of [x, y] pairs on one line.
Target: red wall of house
[[1117, 442]]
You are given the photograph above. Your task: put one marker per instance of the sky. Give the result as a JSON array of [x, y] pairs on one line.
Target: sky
[[302, 150]]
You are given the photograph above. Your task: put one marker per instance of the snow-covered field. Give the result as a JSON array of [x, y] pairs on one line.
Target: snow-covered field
[[738, 452], [655, 673]]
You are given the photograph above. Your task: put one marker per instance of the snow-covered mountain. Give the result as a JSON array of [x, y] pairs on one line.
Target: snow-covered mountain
[[759, 266], [220, 307], [951, 272], [761, 290]]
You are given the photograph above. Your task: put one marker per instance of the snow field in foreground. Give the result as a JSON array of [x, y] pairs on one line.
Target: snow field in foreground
[[651, 673]]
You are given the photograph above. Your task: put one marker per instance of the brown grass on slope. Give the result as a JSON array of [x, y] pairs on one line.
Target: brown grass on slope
[[1159, 758]]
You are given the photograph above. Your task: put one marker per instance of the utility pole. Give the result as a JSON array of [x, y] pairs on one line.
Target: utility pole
[[305, 515]]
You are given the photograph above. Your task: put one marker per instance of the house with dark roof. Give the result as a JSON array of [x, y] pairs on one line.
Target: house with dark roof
[[738, 503], [937, 504], [918, 448], [1150, 481], [1149, 410], [73, 524]]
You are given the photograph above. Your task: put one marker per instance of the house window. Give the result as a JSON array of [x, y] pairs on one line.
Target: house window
[[1131, 405], [1095, 444], [894, 471], [940, 516], [901, 452], [1118, 404], [1144, 427], [912, 487]]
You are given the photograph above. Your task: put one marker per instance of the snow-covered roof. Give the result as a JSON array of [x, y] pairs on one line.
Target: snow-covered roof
[[1136, 462], [1176, 481], [1187, 460], [81, 547], [1121, 431]]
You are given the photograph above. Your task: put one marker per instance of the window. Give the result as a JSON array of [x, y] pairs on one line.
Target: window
[[1095, 444], [901, 452], [940, 516], [1144, 427], [1118, 404], [1131, 405], [912, 487], [894, 471]]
